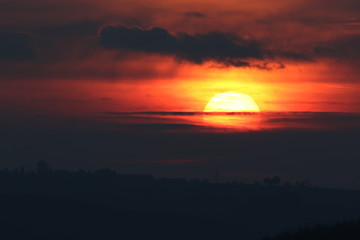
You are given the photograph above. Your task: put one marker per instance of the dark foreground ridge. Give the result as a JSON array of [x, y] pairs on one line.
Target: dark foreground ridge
[[349, 230], [54, 204]]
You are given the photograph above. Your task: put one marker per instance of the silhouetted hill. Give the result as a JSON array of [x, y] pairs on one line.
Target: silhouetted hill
[[54, 204], [348, 230]]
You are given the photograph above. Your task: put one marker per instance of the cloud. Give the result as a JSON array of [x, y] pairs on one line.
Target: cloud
[[215, 46], [16, 46], [294, 56], [195, 14], [345, 47], [153, 40], [300, 31]]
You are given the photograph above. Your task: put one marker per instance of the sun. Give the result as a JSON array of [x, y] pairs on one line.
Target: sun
[[231, 102]]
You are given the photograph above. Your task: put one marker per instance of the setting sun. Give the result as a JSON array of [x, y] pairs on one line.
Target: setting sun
[[231, 102]]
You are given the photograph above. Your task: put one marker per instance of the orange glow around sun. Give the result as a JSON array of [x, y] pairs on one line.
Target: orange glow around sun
[[231, 102]]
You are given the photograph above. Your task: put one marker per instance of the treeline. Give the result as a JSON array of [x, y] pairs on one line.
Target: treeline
[[44, 170], [346, 230]]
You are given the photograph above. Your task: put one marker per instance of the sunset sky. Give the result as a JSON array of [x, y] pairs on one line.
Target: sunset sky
[[73, 62], [132, 55]]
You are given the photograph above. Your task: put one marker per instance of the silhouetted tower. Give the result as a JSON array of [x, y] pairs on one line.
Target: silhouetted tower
[[42, 167]]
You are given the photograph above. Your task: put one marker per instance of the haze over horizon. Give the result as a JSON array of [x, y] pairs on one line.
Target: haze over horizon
[[69, 68]]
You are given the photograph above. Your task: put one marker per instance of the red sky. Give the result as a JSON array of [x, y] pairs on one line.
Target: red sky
[[69, 57]]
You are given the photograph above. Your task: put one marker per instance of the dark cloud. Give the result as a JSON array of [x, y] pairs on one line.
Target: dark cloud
[[292, 55], [77, 30], [195, 14], [16, 47], [324, 50], [106, 99], [218, 46], [160, 127], [347, 47], [215, 46], [153, 40]]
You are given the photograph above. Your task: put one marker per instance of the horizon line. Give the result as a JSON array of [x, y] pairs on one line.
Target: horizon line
[[195, 113]]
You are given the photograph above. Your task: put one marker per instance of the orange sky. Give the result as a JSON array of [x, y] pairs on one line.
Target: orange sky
[[284, 90], [309, 55]]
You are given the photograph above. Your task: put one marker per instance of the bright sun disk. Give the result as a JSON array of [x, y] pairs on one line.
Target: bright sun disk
[[231, 102]]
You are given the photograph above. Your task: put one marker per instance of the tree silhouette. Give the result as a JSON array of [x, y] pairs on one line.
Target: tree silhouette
[[272, 181]]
